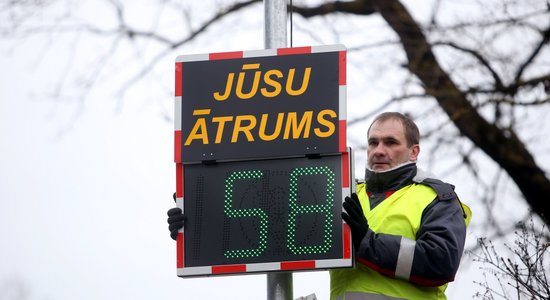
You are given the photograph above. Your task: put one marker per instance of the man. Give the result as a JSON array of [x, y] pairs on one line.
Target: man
[[408, 231]]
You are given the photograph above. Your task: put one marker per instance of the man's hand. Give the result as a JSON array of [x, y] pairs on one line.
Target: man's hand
[[356, 219], [176, 220]]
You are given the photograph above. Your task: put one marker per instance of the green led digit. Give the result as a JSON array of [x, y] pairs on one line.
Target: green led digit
[[245, 212], [296, 209]]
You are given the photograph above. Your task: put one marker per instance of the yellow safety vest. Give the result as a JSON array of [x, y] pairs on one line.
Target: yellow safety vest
[[399, 214]]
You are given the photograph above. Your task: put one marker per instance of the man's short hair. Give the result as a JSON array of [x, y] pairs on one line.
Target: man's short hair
[[412, 135]]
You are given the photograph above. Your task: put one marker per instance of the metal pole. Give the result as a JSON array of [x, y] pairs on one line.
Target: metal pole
[[275, 24], [279, 285]]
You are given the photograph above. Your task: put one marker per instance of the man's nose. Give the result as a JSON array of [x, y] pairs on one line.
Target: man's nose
[[379, 150]]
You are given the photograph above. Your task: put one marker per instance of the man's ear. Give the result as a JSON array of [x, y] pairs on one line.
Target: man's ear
[[415, 150]]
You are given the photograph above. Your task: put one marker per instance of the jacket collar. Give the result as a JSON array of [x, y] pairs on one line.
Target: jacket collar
[[390, 180]]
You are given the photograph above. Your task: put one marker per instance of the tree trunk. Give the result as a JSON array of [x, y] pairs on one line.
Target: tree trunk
[[504, 147]]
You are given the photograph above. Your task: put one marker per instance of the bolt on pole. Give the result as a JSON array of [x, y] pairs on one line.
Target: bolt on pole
[[279, 285]]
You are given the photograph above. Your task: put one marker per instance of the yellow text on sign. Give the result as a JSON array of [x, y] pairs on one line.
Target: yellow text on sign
[[287, 126], [271, 78]]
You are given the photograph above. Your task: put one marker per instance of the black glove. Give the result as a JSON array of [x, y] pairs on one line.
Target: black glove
[[176, 220], [356, 219]]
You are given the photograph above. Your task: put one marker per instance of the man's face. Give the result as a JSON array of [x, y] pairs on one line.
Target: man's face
[[387, 145]]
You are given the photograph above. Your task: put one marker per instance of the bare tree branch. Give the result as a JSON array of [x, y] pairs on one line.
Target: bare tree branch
[[514, 87], [484, 62], [358, 7], [382, 107], [505, 148], [544, 41], [233, 8], [173, 45]]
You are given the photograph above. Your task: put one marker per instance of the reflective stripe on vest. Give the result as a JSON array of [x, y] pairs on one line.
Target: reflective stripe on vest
[[405, 258], [365, 296]]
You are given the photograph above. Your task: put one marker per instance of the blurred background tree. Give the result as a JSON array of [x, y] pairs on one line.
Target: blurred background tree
[[520, 273]]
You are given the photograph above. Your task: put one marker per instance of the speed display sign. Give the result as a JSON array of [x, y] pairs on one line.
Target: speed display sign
[[261, 160]]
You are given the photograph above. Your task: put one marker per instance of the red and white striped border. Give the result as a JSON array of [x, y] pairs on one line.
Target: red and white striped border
[[347, 163], [265, 267]]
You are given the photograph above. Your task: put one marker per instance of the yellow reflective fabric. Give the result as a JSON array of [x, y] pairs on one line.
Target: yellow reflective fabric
[[399, 214], [468, 213]]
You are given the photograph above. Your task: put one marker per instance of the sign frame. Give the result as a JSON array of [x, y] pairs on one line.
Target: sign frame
[[347, 184]]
